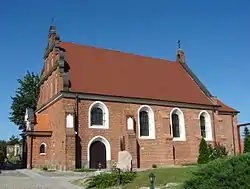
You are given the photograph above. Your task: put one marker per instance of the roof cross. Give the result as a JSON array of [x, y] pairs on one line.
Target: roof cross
[[179, 44]]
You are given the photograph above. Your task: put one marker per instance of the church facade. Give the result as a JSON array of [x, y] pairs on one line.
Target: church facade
[[95, 102]]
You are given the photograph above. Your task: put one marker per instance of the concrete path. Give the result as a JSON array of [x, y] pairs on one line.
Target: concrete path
[[28, 179]]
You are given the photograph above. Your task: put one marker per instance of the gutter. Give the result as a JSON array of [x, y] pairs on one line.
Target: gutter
[[214, 133]]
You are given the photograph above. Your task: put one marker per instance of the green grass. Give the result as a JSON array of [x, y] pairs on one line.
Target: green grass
[[162, 176]]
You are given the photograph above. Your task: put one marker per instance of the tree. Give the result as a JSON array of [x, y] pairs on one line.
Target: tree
[[246, 132], [3, 145], [14, 140], [203, 152], [26, 96], [246, 140]]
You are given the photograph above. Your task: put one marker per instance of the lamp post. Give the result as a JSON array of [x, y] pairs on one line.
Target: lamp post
[[152, 180]]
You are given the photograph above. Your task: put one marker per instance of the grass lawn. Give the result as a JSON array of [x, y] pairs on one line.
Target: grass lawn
[[162, 175]]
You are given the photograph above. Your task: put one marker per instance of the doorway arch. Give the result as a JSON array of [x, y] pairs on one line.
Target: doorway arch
[[99, 151]]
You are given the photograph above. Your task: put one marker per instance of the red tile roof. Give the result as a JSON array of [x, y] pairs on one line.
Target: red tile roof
[[108, 72], [224, 107]]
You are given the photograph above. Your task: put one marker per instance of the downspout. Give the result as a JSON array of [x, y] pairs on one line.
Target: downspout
[[239, 140], [76, 132], [214, 128], [31, 150], [232, 120]]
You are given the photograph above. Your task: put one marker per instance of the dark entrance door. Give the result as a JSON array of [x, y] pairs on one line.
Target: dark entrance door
[[97, 155]]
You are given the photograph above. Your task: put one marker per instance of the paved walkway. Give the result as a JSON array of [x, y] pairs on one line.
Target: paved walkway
[[28, 179]]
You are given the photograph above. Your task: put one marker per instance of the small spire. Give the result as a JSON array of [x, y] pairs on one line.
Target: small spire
[[52, 28]]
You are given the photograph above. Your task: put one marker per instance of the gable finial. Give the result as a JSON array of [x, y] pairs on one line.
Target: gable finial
[[179, 44]]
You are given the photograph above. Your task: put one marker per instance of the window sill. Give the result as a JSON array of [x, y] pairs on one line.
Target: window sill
[[146, 137], [98, 127], [179, 139], [42, 154], [208, 139]]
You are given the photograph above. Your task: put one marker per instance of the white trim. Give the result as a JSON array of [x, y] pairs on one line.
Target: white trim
[[151, 117], [105, 110], [45, 146], [105, 142], [182, 128], [208, 125]]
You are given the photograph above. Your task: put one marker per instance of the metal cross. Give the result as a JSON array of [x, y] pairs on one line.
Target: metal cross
[[179, 44]]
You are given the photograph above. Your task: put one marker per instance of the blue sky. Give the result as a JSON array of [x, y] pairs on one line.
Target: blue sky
[[214, 35]]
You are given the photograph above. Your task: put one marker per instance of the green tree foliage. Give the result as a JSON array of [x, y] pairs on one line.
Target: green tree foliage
[[217, 151], [246, 140], [26, 96], [203, 152], [246, 132], [225, 173], [3, 145], [14, 140]]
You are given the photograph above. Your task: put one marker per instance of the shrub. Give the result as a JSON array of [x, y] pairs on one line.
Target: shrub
[[154, 166], [1, 157], [203, 152], [106, 180], [45, 168], [217, 151], [228, 173]]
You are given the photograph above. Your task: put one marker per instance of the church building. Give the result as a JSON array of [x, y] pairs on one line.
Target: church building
[[96, 102]]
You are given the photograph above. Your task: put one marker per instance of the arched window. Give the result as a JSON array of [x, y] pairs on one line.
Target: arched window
[[205, 125], [146, 122], [177, 123], [43, 148], [98, 115]]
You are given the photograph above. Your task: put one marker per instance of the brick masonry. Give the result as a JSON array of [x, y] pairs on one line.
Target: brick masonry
[[61, 145], [159, 151]]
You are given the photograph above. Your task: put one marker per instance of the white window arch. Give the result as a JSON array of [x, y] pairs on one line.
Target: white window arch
[[146, 122], [98, 115], [177, 122], [42, 149], [205, 125]]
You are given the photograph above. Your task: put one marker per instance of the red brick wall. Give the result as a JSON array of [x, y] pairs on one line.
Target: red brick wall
[[38, 160], [55, 157], [224, 132], [53, 84], [159, 151]]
